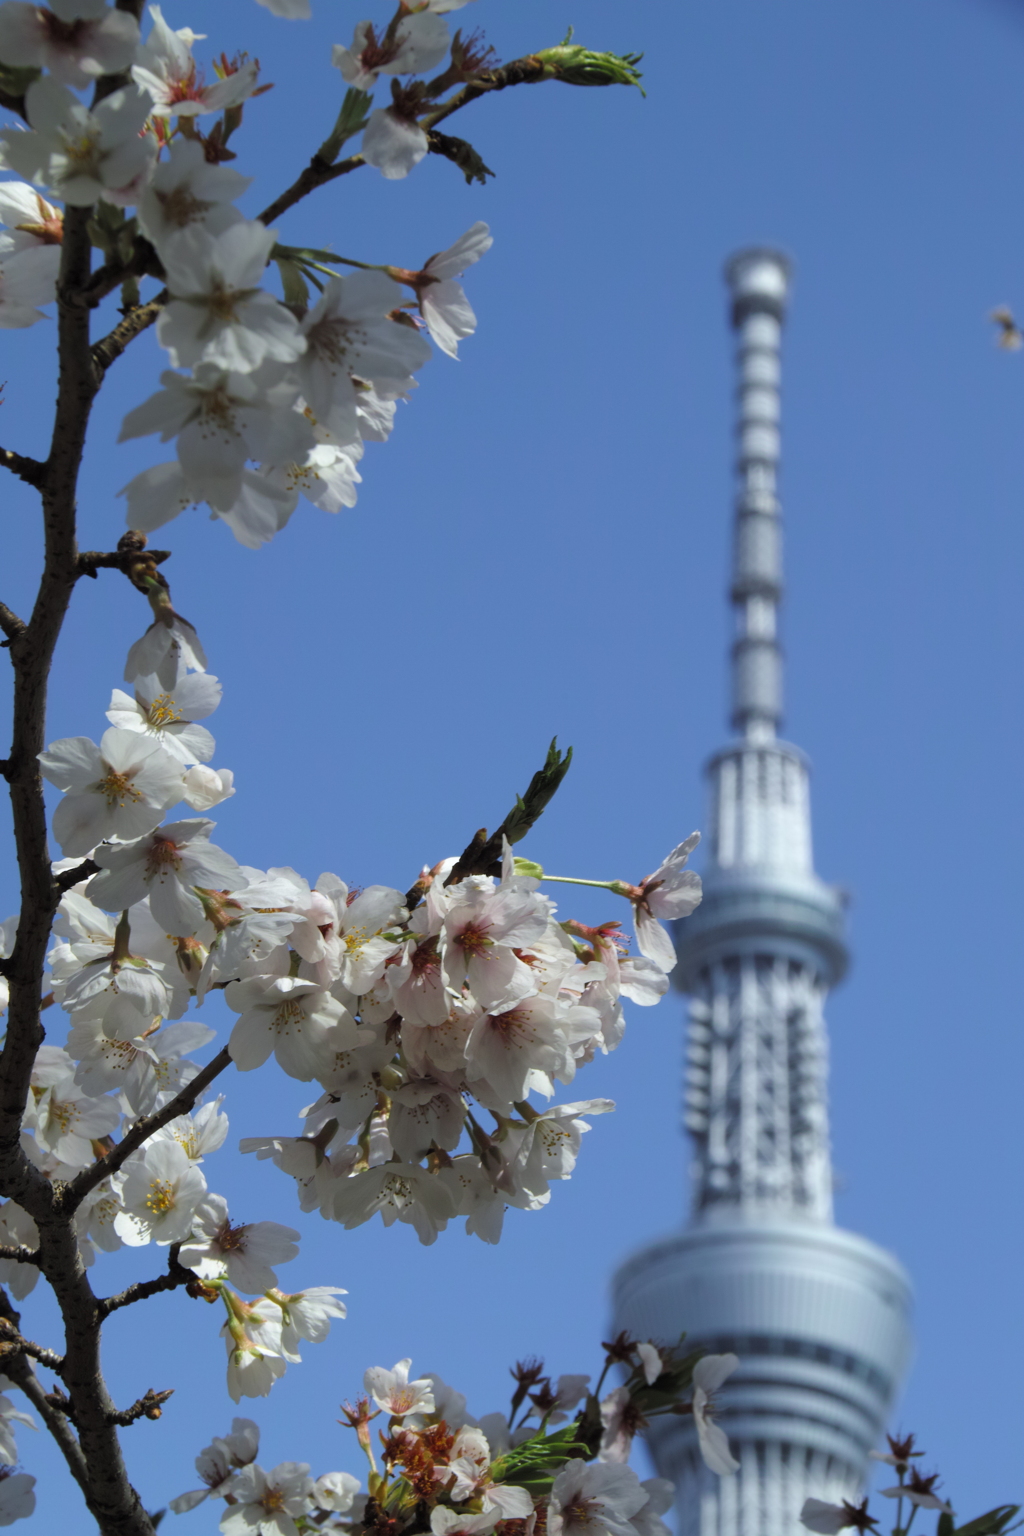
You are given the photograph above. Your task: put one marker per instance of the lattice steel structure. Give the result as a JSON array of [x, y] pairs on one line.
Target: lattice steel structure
[[818, 1316]]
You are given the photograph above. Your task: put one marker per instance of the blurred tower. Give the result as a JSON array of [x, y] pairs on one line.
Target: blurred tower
[[817, 1316]]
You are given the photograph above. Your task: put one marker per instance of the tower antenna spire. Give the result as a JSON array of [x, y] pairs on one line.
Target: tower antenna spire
[[758, 281]]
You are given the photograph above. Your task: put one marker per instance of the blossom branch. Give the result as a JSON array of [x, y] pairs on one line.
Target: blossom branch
[[176, 1275], [29, 470], [148, 1407], [316, 174], [12, 626], [52, 1409], [141, 1131], [72, 877], [12, 1343], [19, 1254], [111, 346]]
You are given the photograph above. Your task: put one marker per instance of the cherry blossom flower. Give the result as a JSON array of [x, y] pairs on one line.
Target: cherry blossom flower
[[423, 1113], [481, 931], [32, 223], [470, 1463], [165, 68], [458, 1522], [218, 313], [504, 1048], [253, 1340], [620, 1419], [393, 142], [304, 1315], [244, 1254], [650, 1362], [919, 1490], [207, 787], [10, 1415], [169, 646], [671, 892], [169, 715], [594, 1496], [17, 1496], [393, 1392], [162, 1190], [708, 1375], [119, 789], [166, 866], [197, 1134], [446, 311], [265, 1502], [397, 1192], [298, 1021], [660, 1497], [67, 1121], [185, 189], [76, 42], [141, 1069], [335, 1491], [827, 1519], [417, 45], [27, 278], [219, 1462], [222, 419], [82, 153], [348, 332]]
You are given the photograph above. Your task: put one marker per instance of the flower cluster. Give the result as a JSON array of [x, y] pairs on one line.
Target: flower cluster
[[557, 1461], [416, 1015], [266, 401], [916, 1489]]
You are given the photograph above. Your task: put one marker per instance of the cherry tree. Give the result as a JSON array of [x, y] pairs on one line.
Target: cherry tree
[[439, 1024]]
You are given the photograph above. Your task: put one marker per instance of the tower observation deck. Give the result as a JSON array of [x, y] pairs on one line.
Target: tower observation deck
[[817, 1316]]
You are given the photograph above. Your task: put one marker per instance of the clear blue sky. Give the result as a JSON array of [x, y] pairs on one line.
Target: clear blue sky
[[542, 548]]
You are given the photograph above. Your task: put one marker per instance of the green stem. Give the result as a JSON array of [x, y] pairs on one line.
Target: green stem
[[601, 885]]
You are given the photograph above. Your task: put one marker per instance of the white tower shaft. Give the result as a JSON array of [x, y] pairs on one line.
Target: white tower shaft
[[817, 1316]]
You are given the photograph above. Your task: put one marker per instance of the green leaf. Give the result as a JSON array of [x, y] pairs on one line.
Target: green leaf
[[579, 66], [990, 1524], [352, 119], [15, 81], [529, 868], [296, 290]]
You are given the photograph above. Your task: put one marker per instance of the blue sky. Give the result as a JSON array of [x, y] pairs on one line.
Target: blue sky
[[542, 549]]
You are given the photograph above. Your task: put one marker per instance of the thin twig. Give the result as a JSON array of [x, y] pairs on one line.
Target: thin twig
[[12, 1343], [18, 1254], [26, 469], [71, 877], [54, 1416], [317, 174], [12, 626], [148, 1407], [141, 1131], [111, 346], [176, 1275]]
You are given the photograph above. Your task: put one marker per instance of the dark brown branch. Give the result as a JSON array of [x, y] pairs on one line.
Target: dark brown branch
[[527, 71], [111, 346], [72, 877], [148, 1407], [12, 1343], [52, 1408], [26, 469], [12, 626], [75, 1192], [317, 174], [19, 1254], [176, 1275]]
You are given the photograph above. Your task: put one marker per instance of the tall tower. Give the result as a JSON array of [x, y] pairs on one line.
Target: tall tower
[[817, 1316]]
